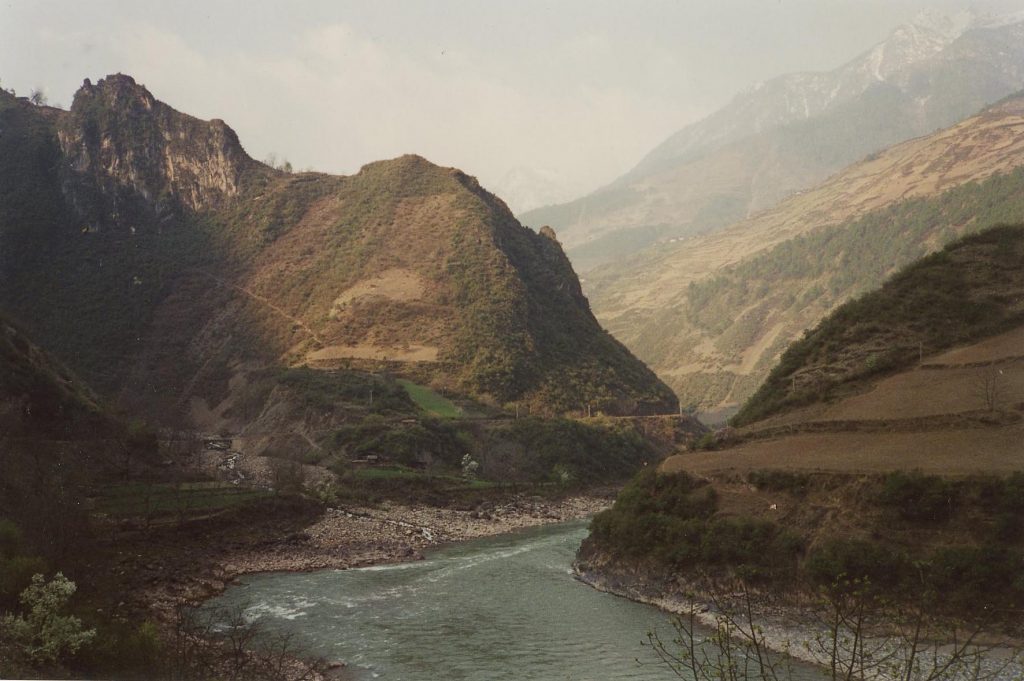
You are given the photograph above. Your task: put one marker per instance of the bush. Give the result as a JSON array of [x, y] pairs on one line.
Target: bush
[[589, 452], [669, 519], [843, 562], [780, 481], [755, 548], [919, 498], [976, 579], [123, 650]]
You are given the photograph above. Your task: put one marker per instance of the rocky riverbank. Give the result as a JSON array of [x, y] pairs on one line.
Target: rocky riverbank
[[348, 537], [797, 629]]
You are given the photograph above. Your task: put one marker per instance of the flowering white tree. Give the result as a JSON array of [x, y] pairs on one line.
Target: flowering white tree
[[469, 467], [42, 636]]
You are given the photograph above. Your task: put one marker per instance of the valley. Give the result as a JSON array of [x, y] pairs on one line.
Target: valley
[[713, 314], [276, 424]]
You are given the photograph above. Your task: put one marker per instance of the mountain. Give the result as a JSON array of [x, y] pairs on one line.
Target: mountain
[[790, 133], [712, 314], [149, 252]]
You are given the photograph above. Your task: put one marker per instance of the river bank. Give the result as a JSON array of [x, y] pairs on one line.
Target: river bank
[[793, 628], [350, 537]]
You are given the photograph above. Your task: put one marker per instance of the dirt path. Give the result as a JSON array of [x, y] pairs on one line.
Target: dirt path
[[267, 303]]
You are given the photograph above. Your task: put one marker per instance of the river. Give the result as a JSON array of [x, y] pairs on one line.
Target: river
[[499, 608]]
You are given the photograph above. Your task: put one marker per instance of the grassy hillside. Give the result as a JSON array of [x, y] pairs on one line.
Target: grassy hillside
[[970, 290], [151, 254]]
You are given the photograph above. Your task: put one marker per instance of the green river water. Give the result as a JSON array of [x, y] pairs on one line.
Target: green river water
[[499, 608]]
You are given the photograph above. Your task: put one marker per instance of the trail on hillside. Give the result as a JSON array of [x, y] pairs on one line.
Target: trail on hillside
[[267, 303]]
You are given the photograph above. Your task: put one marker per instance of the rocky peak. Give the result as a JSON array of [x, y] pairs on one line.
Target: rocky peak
[[116, 92], [122, 139]]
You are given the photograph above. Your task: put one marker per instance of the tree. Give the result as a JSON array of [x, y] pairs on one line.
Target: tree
[[987, 386], [859, 636], [37, 97], [42, 636], [287, 475]]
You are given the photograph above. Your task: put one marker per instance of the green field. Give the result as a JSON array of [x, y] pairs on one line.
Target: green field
[[429, 401], [142, 499]]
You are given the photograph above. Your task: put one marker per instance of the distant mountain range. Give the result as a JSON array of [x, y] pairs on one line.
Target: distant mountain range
[[712, 313], [791, 132]]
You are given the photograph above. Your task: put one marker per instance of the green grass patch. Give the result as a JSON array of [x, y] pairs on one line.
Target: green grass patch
[[429, 401], [144, 499]]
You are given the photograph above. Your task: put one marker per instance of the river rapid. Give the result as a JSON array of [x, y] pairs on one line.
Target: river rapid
[[503, 607]]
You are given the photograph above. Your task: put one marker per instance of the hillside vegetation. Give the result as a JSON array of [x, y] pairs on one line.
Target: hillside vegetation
[[39, 397], [951, 547], [713, 314], [972, 289]]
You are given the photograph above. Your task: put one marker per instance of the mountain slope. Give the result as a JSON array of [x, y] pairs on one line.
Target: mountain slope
[[971, 290], [712, 314], [790, 133], [39, 397], [885, 447], [152, 254]]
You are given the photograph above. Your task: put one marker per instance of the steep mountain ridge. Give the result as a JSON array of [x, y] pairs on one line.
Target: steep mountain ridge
[[790, 133], [152, 254], [711, 314]]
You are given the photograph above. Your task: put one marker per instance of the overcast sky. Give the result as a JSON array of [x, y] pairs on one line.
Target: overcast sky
[[577, 89]]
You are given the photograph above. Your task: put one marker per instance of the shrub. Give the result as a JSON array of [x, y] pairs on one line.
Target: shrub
[[755, 548], [976, 579], [919, 498], [780, 481]]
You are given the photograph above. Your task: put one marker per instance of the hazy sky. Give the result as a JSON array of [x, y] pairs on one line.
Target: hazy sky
[[580, 89]]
